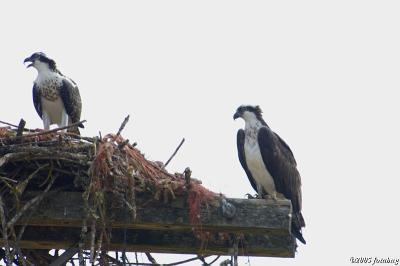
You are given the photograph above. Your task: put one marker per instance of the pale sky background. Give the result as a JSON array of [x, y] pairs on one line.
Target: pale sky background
[[326, 74]]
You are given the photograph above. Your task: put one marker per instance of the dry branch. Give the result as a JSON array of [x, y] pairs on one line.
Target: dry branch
[[30, 204], [50, 131], [92, 241], [12, 125], [150, 258], [8, 124], [37, 153], [8, 179], [21, 127], [81, 242], [102, 165], [5, 232], [122, 125], [173, 155]]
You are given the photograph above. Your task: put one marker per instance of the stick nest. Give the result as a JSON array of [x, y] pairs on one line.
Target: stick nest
[[40, 161]]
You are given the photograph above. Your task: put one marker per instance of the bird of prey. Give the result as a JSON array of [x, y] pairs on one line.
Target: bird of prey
[[56, 97], [269, 163]]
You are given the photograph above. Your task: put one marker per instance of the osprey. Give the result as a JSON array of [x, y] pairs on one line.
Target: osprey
[[55, 97], [269, 163]]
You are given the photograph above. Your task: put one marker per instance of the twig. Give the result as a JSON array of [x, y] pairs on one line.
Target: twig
[[81, 243], [140, 264], [170, 264], [131, 194], [123, 125], [76, 136], [36, 153], [113, 260], [92, 240], [99, 244], [29, 204], [235, 251], [21, 232], [52, 145], [123, 256], [212, 262], [5, 233], [8, 124], [21, 127], [150, 258], [122, 144], [201, 258], [17, 250], [12, 125], [65, 257], [8, 179], [187, 173], [173, 155], [20, 188], [50, 131], [226, 262]]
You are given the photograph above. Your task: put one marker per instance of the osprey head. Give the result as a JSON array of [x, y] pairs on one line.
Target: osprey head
[[248, 112], [40, 61]]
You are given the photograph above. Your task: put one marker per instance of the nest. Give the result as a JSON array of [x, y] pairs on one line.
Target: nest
[[51, 161]]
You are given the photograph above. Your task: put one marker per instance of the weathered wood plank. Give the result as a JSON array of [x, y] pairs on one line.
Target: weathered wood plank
[[255, 215], [263, 224], [161, 242]]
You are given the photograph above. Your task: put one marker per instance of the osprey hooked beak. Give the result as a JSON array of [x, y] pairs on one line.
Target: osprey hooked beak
[[28, 59], [237, 115]]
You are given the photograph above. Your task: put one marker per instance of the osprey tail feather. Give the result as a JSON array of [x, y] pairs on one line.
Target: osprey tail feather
[[297, 224]]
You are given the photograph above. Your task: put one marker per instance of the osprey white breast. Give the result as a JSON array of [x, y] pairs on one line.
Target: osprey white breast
[[48, 84], [255, 162]]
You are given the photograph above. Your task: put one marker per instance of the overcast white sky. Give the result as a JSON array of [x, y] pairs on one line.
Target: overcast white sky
[[325, 73]]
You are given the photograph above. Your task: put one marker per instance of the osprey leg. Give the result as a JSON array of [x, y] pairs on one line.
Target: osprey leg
[[46, 121], [64, 120], [259, 191]]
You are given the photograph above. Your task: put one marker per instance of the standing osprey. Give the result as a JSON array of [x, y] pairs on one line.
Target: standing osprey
[[56, 97], [269, 163]]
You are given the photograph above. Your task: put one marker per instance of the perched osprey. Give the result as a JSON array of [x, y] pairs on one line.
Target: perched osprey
[[269, 163], [55, 96]]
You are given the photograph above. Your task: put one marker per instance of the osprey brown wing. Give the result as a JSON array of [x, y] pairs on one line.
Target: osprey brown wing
[[280, 162], [72, 100], [36, 100], [242, 157]]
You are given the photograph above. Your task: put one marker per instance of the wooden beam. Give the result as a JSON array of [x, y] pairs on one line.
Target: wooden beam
[[255, 215], [161, 241], [264, 226]]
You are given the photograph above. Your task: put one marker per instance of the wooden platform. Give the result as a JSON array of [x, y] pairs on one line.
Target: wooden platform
[[262, 226]]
